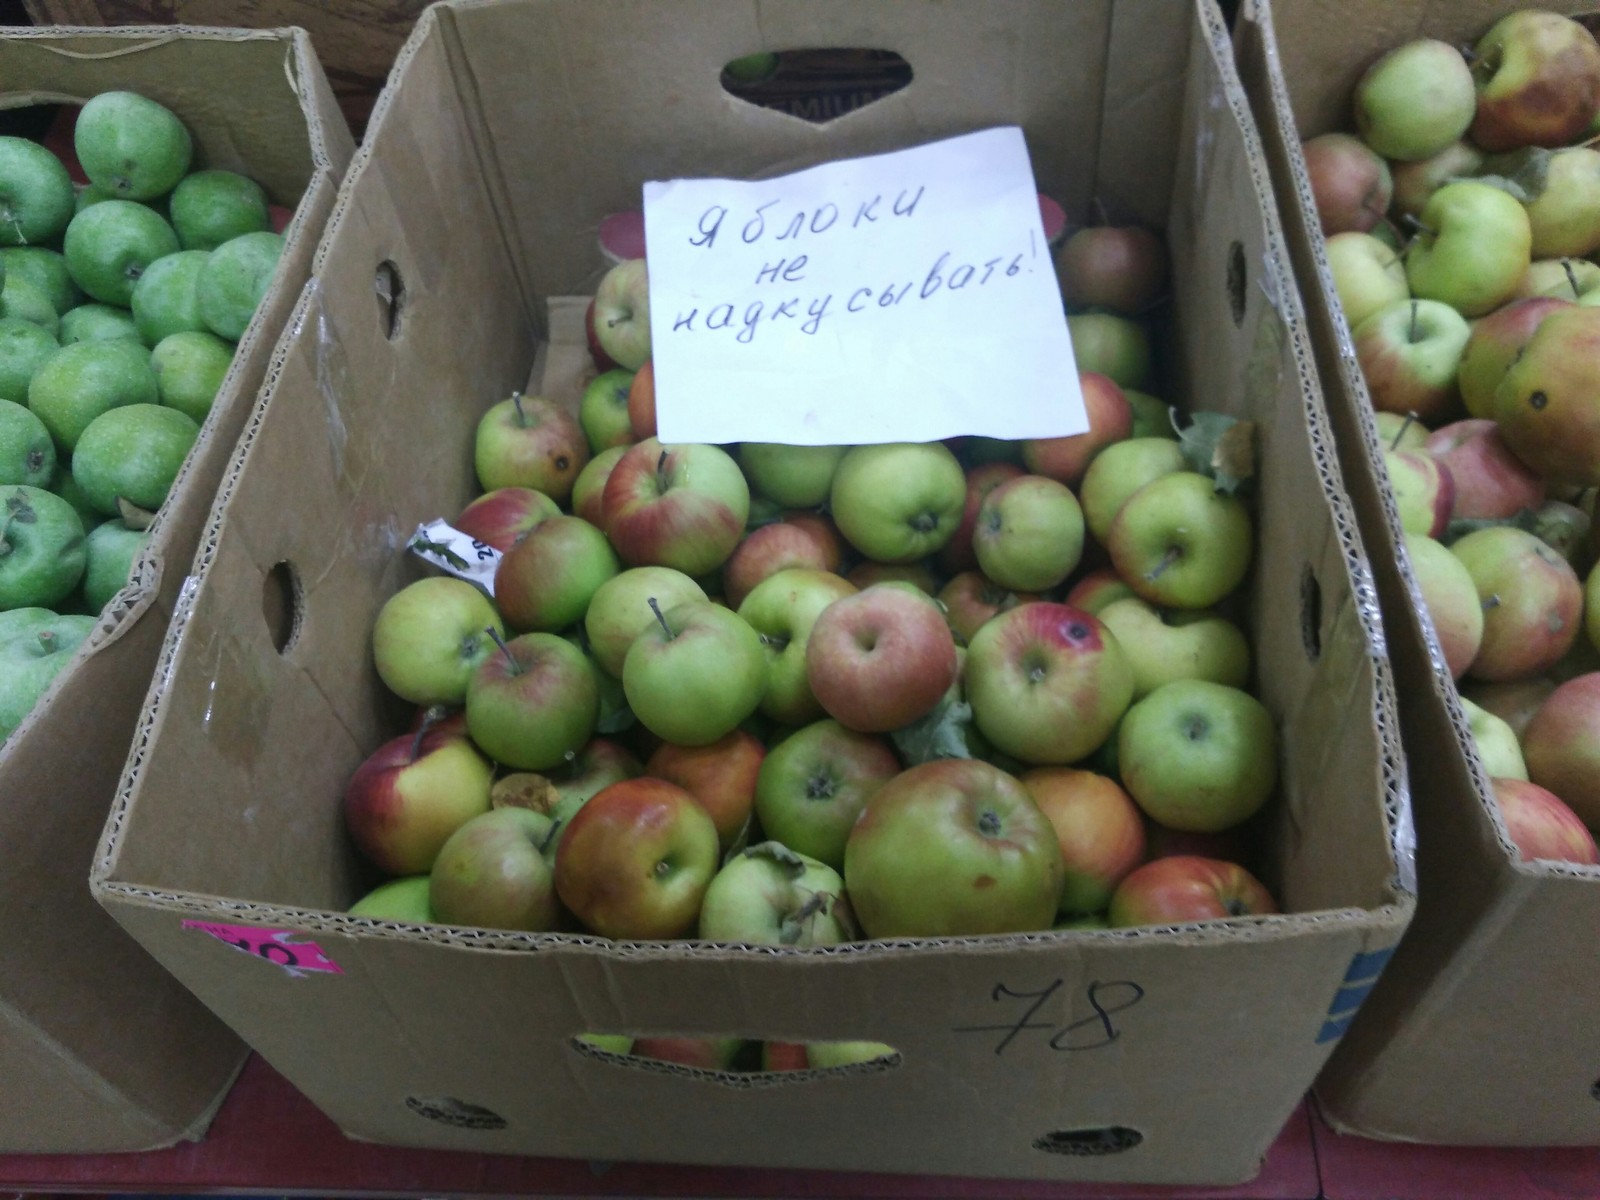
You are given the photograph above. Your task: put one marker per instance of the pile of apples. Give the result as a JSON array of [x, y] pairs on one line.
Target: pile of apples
[[802, 695], [1462, 226], [120, 302]]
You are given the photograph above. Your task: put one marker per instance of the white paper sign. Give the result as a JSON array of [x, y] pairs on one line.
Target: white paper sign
[[902, 297]]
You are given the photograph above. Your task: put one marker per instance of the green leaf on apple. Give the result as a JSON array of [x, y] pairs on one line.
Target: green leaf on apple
[[940, 734], [1521, 173], [1525, 519], [778, 853], [1222, 448]]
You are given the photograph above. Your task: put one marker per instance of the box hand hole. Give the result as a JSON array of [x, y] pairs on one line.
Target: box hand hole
[[280, 605], [815, 85], [391, 291], [1238, 281], [738, 1061], [1089, 1143]]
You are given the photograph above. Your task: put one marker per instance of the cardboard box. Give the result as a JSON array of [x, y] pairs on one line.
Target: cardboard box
[[1482, 1031], [507, 131], [109, 1051]]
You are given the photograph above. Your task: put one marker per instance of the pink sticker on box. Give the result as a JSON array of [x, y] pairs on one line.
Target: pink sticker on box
[[274, 945]]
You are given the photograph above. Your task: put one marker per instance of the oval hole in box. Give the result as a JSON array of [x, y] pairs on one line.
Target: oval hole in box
[[447, 1110], [280, 605], [1089, 1143], [751, 1061], [1310, 613], [1238, 282], [816, 85], [391, 292]]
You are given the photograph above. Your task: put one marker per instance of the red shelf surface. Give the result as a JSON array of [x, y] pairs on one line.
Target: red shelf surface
[[269, 1138]]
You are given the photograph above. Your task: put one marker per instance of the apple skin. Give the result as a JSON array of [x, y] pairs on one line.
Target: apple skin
[[528, 441], [1097, 589], [1198, 756], [1478, 251], [1029, 535], [603, 411], [1396, 432], [1047, 683], [533, 703], [1496, 744], [784, 1056], [1496, 341], [952, 848], [1515, 702], [1415, 100], [1121, 268], [680, 506], [1368, 275], [772, 548], [1180, 543], [783, 610], [771, 896], [642, 403], [1561, 745], [636, 859], [917, 576], [706, 1054], [602, 361], [1065, 459], [408, 796], [429, 638], [1162, 646], [720, 775], [547, 579], [957, 555], [814, 783], [880, 659], [826, 1055], [492, 873], [1572, 279], [1350, 182], [1424, 491], [1183, 888], [1120, 470], [1565, 217], [1451, 600], [1415, 182], [794, 476], [1541, 825], [1099, 828], [971, 599], [501, 517], [1542, 84], [1489, 480], [1104, 343], [396, 900], [588, 490], [619, 610], [622, 314], [1544, 401], [698, 682], [1230, 845], [1409, 354], [1532, 602], [900, 501]]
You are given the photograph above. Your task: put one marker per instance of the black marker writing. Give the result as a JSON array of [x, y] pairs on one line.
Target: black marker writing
[[1104, 999]]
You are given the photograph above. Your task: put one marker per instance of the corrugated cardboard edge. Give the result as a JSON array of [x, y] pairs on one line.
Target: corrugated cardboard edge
[[1421, 983]]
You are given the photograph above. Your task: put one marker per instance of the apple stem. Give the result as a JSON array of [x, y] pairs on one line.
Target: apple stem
[[656, 608], [1411, 332], [988, 823], [1491, 601], [1411, 419], [1572, 276], [516, 403], [1416, 223], [47, 641], [1172, 555], [776, 643], [661, 471], [516, 667], [431, 716], [926, 522]]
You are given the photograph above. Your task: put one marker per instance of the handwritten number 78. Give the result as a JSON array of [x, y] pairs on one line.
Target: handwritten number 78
[[1087, 1033]]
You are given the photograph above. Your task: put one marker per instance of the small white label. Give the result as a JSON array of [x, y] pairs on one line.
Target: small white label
[[900, 297], [442, 545]]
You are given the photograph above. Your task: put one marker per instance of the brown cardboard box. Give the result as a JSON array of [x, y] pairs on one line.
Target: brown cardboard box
[[99, 1048], [1483, 1029], [508, 130]]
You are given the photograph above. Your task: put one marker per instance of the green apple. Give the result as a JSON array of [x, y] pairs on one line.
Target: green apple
[[1415, 100], [41, 548], [491, 873], [1409, 354], [21, 299], [622, 314], [1544, 402], [1152, 416], [1424, 491], [1474, 248], [771, 895], [782, 609], [190, 367], [1574, 279], [97, 323], [1181, 543], [110, 549], [1450, 598], [1165, 645], [1114, 346], [233, 280], [1496, 743], [1198, 756], [131, 146], [1029, 533], [208, 208], [603, 411], [1565, 216], [82, 381], [132, 453], [33, 650], [1119, 471], [619, 611], [695, 674], [793, 476], [899, 501], [1400, 432], [35, 194], [1415, 182], [547, 579], [46, 269], [533, 703], [23, 348], [166, 300], [532, 442], [109, 246], [813, 784], [429, 638], [403, 899], [1532, 602], [64, 485], [1367, 275], [27, 455]]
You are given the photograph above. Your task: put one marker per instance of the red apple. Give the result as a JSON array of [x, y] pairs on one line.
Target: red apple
[[784, 1056], [708, 1054], [1229, 845], [1065, 459], [1561, 745], [720, 775], [528, 441], [1532, 602], [1181, 889], [1494, 344], [1410, 353], [1538, 81], [773, 548], [782, 609], [1100, 829], [1540, 825], [635, 861], [546, 580], [971, 599], [1097, 589], [533, 703], [1122, 268], [499, 518], [1515, 702], [683, 507], [880, 659], [602, 361], [917, 574], [1350, 182], [957, 556], [642, 403], [1424, 491], [1489, 480]]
